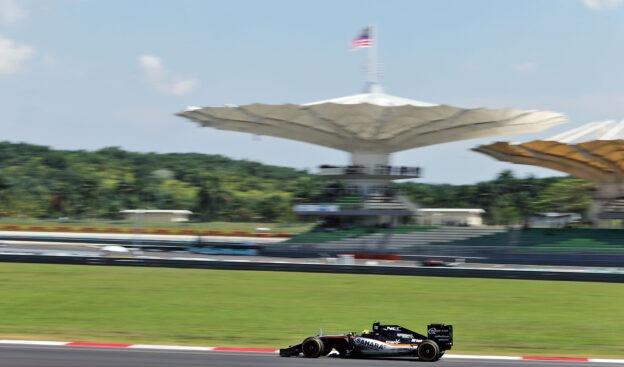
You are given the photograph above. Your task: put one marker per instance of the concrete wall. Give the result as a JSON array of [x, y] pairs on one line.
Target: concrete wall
[[140, 215]]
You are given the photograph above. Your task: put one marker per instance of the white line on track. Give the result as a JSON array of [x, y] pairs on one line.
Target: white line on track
[[268, 351]]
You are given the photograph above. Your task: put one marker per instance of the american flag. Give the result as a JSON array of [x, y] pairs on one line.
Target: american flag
[[363, 39]]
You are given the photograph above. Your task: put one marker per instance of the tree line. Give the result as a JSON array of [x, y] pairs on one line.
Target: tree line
[[40, 182]]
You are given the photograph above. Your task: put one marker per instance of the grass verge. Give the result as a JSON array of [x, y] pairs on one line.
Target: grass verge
[[275, 309], [222, 226]]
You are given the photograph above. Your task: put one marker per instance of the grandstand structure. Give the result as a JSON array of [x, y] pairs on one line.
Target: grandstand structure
[[594, 152], [574, 246], [369, 126]]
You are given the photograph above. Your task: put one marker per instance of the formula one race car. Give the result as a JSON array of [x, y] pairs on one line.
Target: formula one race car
[[382, 341]]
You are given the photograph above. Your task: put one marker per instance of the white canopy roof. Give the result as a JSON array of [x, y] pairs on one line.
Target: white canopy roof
[[374, 98], [600, 130], [375, 122]]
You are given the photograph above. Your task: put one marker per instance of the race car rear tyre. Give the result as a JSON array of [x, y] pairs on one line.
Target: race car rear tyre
[[312, 347], [428, 351]]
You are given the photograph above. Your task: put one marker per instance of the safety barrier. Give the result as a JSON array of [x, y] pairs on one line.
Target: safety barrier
[[528, 274]]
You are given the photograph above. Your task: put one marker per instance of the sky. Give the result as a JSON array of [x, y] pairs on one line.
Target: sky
[[90, 74]]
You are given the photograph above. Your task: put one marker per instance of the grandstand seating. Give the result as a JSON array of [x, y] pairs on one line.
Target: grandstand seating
[[614, 206], [437, 236], [322, 235], [411, 238], [395, 238], [376, 202], [349, 199], [571, 237]]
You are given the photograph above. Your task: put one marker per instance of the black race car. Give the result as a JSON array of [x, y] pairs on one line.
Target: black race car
[[381, 341]]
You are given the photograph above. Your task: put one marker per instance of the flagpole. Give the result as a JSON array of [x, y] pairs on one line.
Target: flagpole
[[372, 72]]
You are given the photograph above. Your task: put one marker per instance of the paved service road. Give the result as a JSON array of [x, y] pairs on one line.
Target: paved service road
[[46, 356]]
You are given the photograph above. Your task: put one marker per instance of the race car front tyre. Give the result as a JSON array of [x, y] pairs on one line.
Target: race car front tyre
[[428, 351], [312, 347]]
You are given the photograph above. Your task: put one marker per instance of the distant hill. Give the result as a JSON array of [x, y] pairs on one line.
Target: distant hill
[[36, 181], [40, 182]]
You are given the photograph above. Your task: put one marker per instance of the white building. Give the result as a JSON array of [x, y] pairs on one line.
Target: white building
[[450, 217]]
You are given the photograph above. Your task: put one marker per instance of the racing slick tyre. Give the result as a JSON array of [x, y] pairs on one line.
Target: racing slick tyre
[[439, 356], [428, 351], [312, 347]]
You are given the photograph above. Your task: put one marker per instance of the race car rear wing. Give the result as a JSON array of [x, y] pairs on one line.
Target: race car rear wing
[[442, 334]]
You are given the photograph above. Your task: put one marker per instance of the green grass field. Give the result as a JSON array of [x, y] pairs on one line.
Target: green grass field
[[275, 309], [222, 226]]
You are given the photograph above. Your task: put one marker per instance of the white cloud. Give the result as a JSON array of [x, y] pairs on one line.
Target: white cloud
[[525, 66], [164, 81], [152, 66], [13, 56], [182, 87], [603, 4], [11, 12]]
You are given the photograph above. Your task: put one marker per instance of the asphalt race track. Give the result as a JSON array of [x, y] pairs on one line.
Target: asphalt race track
[[47, 356]]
